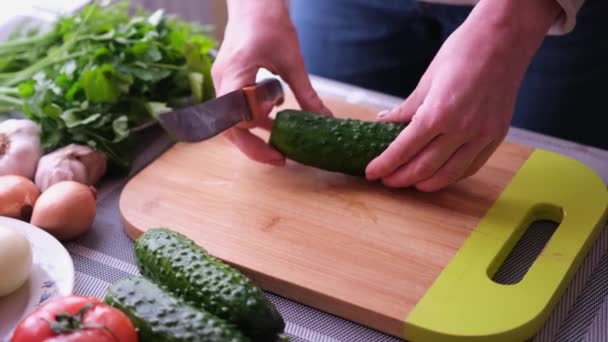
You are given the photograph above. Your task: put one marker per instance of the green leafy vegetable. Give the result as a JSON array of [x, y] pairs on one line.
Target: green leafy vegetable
[[100, 73]]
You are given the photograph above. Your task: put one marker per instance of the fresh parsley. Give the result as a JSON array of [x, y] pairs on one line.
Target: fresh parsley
[[98, 74]]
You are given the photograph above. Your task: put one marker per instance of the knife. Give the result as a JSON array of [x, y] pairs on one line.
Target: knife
[[205, 120]]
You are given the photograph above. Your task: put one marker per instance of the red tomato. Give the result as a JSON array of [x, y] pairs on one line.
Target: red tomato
[[75, 319]]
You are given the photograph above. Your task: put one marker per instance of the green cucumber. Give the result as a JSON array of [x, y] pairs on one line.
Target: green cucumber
[[160, 316], [181, 266], [329, 143]]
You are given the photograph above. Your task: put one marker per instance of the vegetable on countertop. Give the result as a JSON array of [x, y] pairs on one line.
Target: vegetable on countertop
[[17, 197], [71, 163], [186, 269], [19, 147], [15, 260], [330, 143], [99, 75], [66, 209], [160, 316], [75, 318]]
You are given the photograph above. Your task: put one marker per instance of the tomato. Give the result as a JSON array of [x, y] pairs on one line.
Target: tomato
[[75, 319]]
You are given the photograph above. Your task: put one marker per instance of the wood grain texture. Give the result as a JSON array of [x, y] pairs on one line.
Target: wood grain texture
[[338, 243]]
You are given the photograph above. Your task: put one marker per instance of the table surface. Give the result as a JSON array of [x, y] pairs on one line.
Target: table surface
[[105, 254]]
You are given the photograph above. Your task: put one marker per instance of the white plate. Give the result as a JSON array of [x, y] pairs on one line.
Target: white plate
[[52, 275]]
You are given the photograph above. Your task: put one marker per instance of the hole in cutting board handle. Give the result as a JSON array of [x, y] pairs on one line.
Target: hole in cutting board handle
[[537, 228]]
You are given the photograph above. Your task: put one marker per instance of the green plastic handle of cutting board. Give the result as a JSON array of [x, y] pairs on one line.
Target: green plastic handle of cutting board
[[465, 304]]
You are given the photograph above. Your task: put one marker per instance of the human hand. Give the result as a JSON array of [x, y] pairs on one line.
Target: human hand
[[259, 34], [461, 109]]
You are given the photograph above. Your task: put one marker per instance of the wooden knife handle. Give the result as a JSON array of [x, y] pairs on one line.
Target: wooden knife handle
[[262, 96]]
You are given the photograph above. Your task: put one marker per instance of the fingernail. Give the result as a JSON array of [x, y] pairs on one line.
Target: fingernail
[[383, 113]]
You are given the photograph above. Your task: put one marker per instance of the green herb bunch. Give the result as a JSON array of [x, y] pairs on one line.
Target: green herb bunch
[[97, 75]]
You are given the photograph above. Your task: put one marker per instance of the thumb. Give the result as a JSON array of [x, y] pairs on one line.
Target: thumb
[[295, 75], [405, 111]]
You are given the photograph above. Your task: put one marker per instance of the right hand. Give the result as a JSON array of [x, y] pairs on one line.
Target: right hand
[[259, 34]]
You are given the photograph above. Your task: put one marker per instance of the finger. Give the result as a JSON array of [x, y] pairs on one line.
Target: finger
[[410, 141], [254, 147], [217, 70], [405, 111], [455, 168], [426, 163], [265, 123], [295, 75], [482, 158], [231, 82], [261, 118]]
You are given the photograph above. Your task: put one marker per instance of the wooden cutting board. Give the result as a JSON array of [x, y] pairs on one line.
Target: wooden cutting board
[[415, 265]]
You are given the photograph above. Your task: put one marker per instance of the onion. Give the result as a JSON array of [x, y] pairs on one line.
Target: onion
[[66, 209], [15, 260], [17, 196]]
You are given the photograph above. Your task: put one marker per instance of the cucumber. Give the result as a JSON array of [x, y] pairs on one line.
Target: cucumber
[[329, 143], [181, 266], [160, 316]]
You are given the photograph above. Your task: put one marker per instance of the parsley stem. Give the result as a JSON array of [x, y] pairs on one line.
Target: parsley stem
[[168, 66], [9, 90], [27, 73], [9, 103], [11, 46]]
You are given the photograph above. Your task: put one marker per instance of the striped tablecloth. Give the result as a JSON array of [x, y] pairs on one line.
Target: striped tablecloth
[[106, 254]]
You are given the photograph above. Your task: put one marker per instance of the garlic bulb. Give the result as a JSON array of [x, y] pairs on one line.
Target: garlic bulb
[[71, 163], [19, 147]]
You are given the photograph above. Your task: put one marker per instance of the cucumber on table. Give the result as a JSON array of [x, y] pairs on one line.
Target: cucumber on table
[[162, 317], [186, 269], [329, 143]]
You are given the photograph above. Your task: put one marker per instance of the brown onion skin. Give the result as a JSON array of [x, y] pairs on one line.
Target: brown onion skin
[[18, 195], [66, 209]]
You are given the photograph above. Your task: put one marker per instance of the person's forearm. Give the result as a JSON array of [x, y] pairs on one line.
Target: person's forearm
[[508, 33], [240, 8], [520, 24]]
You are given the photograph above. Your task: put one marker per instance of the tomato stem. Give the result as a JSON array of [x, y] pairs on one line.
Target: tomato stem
[[67, 323]]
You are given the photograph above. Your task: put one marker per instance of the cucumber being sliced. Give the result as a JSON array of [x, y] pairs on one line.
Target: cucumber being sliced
[[329, 143]]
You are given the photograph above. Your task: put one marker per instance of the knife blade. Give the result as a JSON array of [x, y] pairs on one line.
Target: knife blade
[[205, 120]]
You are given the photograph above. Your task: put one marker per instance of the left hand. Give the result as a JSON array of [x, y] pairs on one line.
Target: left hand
[[461, 109], [255, 31]]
